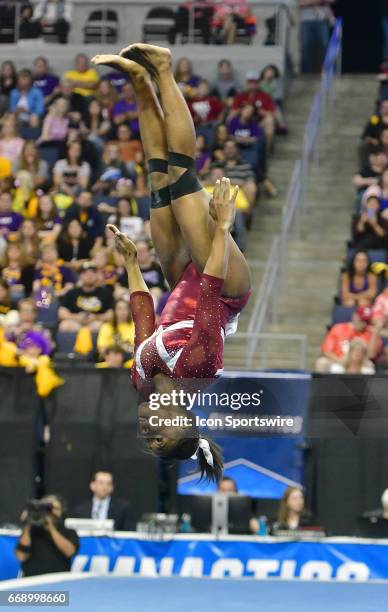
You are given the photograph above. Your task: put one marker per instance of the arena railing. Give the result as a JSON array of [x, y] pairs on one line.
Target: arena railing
[[266, 303], [275, 14], [263, 349]]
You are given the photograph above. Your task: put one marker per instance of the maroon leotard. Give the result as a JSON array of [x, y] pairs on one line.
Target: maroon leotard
[[189, 342]]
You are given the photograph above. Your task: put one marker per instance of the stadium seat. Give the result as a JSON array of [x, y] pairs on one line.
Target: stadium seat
[[7, 23], [341, 314], [65, 341], [101, 26], [29, 133], [250, 156], [201, 27], [50, 153], [159, 24], [49, 316], [207, 131]]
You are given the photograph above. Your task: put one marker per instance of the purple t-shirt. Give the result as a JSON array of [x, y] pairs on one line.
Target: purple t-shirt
[[59, 279], [117, 79], [46, 83], [48, 224], [201, 160], [122, 107], [9, 222], [237, 128]]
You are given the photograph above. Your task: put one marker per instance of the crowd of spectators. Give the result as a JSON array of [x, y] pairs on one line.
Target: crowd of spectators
[[71, 160], [357, 340]]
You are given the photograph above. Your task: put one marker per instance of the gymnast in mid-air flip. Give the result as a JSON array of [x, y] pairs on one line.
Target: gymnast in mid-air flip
[[207, 273]]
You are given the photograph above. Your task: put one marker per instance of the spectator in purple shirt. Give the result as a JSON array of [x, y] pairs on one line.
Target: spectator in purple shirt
[[117, 79], [202, 155], [125, 110], [186, 79], [43, 80], [245, 127], [50, 274], [9, 220]]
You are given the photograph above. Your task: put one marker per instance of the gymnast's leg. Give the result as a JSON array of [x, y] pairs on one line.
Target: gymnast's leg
[[190, 201], [166, 234]]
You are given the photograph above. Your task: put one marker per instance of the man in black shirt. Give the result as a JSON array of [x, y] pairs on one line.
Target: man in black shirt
[[375, 125], [371, 171], [50, 548], [87, 305]]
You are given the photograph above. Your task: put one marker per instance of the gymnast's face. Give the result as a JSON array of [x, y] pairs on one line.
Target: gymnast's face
[[161, 436]]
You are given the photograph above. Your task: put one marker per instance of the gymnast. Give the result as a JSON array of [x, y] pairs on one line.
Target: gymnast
[[208, 275]]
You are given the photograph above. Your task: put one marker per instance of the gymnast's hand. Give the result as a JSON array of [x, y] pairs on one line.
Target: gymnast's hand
[[123, 244], [223, 204]]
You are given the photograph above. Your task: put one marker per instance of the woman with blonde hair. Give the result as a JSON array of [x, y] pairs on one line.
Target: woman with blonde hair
[[120, 331], [31, 162], [56, 123], [11, 144], [356, 360], [29, 238]]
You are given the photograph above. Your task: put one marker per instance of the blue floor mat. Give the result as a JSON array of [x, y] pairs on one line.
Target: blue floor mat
[[119, 594]]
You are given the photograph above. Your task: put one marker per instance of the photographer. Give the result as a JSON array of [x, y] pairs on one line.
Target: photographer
[[45, 545]]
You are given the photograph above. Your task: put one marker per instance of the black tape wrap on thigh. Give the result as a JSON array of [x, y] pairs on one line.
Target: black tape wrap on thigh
[[188, 183], [161, 197]]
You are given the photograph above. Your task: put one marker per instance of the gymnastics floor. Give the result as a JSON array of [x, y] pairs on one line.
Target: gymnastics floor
[[118, 594]]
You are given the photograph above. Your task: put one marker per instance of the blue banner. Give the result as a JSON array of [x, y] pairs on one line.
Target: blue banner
[[263, 463], [340, 559]]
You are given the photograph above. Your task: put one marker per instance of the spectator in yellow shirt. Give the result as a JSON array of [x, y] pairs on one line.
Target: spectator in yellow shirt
[[243, 208], [83, 78], [120, 331], [216, 174]]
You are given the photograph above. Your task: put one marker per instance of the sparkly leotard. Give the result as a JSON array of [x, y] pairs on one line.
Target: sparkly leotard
[[189, 342]]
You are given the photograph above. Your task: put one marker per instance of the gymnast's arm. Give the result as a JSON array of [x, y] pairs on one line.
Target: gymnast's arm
[[223, 208], [141, 302], [201, 352]]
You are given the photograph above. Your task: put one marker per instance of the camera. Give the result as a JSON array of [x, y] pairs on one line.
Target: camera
[[37, 511]]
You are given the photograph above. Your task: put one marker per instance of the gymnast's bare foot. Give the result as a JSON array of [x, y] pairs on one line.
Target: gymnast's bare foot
[[154, 59], [136, 71]]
